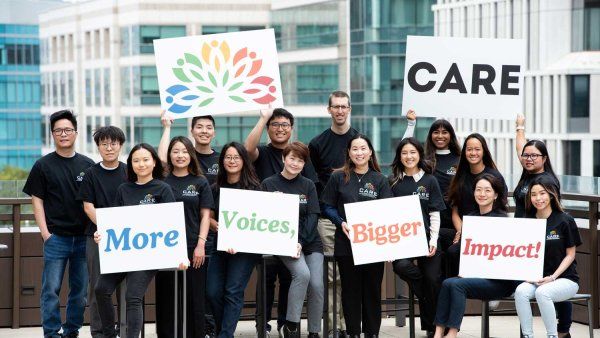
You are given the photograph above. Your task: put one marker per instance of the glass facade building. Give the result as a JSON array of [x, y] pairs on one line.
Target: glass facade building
[[20, 97]]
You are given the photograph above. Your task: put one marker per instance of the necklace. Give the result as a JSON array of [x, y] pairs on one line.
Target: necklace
[[361, 176]]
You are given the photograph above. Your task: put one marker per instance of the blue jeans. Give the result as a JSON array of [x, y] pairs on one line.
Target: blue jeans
[[455, 291], [228, 276], [58, 250]]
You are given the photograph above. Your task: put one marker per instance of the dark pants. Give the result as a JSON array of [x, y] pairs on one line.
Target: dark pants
[[455, 291], [425, 281], [210, 248], [137, 283], [361, 295], [93, 266], [228, 276], [165, 305], [274, 269]]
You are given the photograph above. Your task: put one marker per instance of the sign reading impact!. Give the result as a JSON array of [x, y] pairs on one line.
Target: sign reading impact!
[[464, 77], [250, 222], [141, 237], [386, 229], [218, 74], [502, 248]]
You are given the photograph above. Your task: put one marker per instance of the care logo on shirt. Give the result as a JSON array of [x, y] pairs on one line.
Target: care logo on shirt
[[148, 199], [553, 235], [524, 190], [214, 170], [80, 177], [422, 193], [190, 191], [451, 170], [303, 199], [368, 191]]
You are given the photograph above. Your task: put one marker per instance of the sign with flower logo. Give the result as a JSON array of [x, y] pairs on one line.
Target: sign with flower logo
[[218, 73]]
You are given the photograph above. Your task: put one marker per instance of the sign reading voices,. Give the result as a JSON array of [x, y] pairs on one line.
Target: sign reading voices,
[[258, 222], [502, 248], [464, 77], [141, 237], [218, 73], [386, 229]]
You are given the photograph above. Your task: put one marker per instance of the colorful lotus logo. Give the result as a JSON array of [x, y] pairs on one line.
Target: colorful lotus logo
[[370, 186], [218, 73]]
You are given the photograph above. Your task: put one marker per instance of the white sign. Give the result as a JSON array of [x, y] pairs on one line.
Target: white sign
[[464, 77], [141, 237], [502, 248], [258, 222], [218, 74], [386, 229]]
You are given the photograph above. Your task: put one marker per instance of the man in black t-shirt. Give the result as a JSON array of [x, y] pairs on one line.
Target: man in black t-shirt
[[328, 152], [98, 190], [53, 185]]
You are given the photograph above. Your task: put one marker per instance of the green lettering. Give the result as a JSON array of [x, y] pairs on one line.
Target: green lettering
[[260, 223], [273, 225], [253, 222], [228, 220], [245, 226], [284, 227]]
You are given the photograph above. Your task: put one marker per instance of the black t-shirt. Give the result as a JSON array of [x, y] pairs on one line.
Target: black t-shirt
[[522, 189], [445, 169], [427, 189], [561, 233], [153, 192], [270, 162], [56, 180], [467, 203], [328, 152], [493, 213], [308, 234], [99, 187], [372, 186], [210, 165], [195, 193]]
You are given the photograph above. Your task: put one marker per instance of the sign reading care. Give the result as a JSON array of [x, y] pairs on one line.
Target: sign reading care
[[258, 222], [386, 229], [218, 73], [141, 237], [502, 248], [464, 77]]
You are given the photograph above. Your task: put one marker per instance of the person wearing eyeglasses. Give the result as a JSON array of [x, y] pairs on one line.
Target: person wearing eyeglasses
[[53, 185], [327, 153], [268, 161]]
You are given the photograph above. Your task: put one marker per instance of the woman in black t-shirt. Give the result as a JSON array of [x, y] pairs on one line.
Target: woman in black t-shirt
[[475, 159], [561, 280], [190, 187], [411, 175], [358, 180], [144, 173], [307, 267], [228, 271]]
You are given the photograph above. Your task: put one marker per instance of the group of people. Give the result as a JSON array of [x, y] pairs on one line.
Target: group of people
[[337, 167]]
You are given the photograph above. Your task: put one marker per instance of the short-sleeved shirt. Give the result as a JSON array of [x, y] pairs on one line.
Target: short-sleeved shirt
[[210, 165], [522, 189], [493, 213], [99, 187], [328, 152], [269, 162], [56, 180], [195, 194], [561, 233], [153, 192], [427, 189], [467, 202], [308, 234], [445, 169], [370, 186]]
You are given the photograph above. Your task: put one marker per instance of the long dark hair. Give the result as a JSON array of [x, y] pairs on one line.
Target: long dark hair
[[248, 178], [464, 168], [541, 146], [551, 188], [398, 167], [501, 202], [193, 168], [430, 148], [349, 166], [157, 172]]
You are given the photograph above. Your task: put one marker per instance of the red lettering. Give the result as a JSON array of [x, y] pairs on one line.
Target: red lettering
[[359, 233], [491, 251], [518, 251], [383, 234]]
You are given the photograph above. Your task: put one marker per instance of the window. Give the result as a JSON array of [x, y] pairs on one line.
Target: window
[[572, 157], [316, 35], [88, 87], [126, 86], [315, 82], [149, 86], [125, 43], [106, 82], [97, 88], [591, 24], [579, 103], [147, 34], [227, 29], [71, 91]]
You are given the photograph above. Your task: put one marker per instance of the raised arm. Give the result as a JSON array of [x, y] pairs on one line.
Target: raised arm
[[163, 146], [411, 119], [253, 138], [520, 139]]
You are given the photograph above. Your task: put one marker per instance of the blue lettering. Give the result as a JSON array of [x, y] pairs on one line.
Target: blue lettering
[[136, 240], [171, 238], [112, 237]]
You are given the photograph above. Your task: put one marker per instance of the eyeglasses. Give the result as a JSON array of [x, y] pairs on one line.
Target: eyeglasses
[[112, 145], [339, 107], [59, 131], [282, 125], [233, 158], [531, 156]]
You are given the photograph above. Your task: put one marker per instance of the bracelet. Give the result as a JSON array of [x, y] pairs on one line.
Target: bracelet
[[520, 128], [553, 278], [202, 238]]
